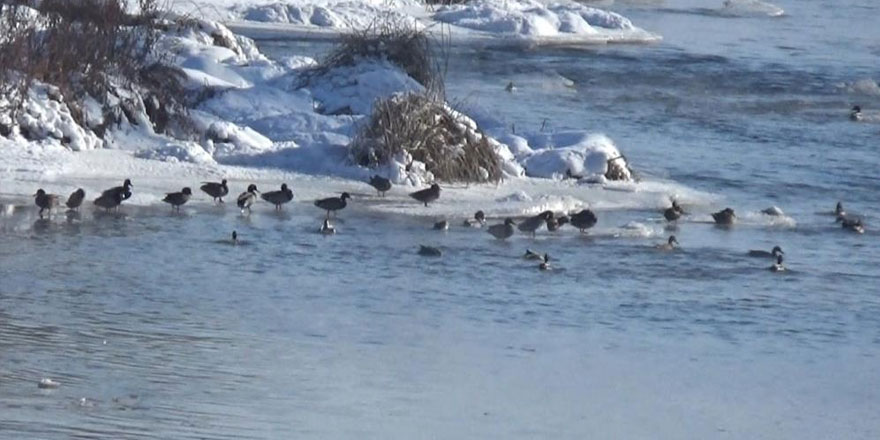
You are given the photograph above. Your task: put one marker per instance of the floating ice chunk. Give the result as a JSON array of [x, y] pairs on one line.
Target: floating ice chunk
[[47, 383], [751, 8]]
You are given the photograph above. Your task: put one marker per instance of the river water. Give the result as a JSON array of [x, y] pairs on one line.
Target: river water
[[155, 327]]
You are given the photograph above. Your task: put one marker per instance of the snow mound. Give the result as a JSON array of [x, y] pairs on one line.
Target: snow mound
[[751, 8], [572, 154], [354, 89], [533, 19], [44, 116], [177, 152], [338, 15]]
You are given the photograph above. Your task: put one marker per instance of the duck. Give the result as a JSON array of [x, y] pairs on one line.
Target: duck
[[764, 254], [429, 251], [46, 201], [777, 267], [333, 203], [554, 223], [216, 190], [583, 220], [502, 231], [854, 225], [76, 199], [477, 222], [724, 217], [839, 211], [327, 228], [510, 88], [427, 195], [234, 238], [545, 263], [674, 212], [532, 255], [442, 225], [855, 114], [279, 197], [178, 198], [124, 190], [531, 224], [670, 245], [247, 198], [381, 184], [109, 201]]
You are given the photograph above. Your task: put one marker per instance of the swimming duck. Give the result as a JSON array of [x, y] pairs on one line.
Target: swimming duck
[[670, 244], [855, 114], [531, 224], [278, 198], [583, 220], [674, 212], [554, 223], [478, 221], [502, 231], [247, 198], [76, 199], [124, 190], [776, 251], [545, 264], [333, 203], [724, 217], [510, 88], [178, 198], [216, 190], [839, 211], [429, 251], [532, 255], [442, 225], [327, 228], [427, 195], [381, 184], [234, 237], [854, 225], [777, 267], [46, 201], [109, 201]]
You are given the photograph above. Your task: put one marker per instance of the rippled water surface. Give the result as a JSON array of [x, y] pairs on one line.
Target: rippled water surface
[[158, 328]]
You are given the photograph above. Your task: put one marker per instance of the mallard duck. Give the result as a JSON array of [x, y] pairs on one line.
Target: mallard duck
[[554, 223], [510, 88], [854, 225], [381, 184], [545, 264], [278, 198], [247, 198], [532, 255], [478, 221], [234, 237], [583, 220], [839, 211], [777, 267], [855, 114], [109, 201], [216, 190], [429, 251], [76, 199], [178, 198], [442, 225], [124, 190], [531, 224], [427, 195], [765, 254], [502, 231], [674, 212], [724, 217], [327, 228], [333, 203], [46, 201], [670, 244]]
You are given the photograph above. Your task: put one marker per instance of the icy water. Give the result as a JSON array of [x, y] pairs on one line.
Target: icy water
[[157, 328]]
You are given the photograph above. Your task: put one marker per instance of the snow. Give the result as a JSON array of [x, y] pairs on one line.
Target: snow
[[576, 152]]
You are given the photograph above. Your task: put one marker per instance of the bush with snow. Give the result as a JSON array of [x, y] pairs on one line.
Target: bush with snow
[[576, 154]]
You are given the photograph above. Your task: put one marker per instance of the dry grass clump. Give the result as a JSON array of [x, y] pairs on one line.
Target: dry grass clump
[[451, 147], [397, 40]]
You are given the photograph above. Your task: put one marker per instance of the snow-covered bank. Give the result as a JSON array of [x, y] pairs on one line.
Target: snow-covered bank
[[499, 22]]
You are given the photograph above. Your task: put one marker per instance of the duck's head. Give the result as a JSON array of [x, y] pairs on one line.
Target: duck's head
[[234, 236], [283, 187], [672, 240], [562, 220], [252, 188], [839, 208], [187, 191], [509, 221], [546, 215], [777, 250], [127, 184], [546, 258], [856, 109], [435, 187], [326, 224], [223, 182], [779, 259], [345, 196], [480, 216], [40, 193]]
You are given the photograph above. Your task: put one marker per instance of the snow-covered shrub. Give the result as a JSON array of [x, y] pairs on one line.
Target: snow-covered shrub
[[426, 131]]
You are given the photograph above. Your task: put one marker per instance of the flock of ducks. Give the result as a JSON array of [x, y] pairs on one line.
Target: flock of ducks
[[583, 220]]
